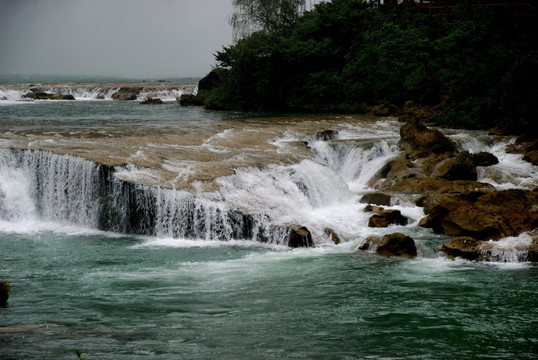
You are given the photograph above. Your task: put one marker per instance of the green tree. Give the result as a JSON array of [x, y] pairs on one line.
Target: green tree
[[264, 15]]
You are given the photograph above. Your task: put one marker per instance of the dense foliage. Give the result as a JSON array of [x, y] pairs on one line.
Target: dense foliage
[[476, 67]]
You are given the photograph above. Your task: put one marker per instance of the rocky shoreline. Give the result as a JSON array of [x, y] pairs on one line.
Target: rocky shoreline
[[444, 182]]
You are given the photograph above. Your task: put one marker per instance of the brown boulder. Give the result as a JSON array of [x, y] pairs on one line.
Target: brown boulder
[[299, 236], [152, 101], [532, 157], [332, 235], [397, 244], [466, 247], [461, 168], [419, 141], [386, 218], [372, 208], [484, 216], [479, 250], [127, 93], [484, 158], [39, 94], [376, 199], [370, 243]]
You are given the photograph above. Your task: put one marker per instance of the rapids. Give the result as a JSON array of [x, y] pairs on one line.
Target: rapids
[[134, 231]]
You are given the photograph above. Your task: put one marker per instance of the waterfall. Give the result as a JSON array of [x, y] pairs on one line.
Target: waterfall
[[253, 204], [64, 188]]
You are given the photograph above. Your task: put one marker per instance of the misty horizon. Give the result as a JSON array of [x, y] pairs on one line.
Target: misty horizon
[[112, 39]]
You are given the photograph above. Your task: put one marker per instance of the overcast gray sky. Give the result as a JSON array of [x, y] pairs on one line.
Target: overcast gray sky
[[133, 38]]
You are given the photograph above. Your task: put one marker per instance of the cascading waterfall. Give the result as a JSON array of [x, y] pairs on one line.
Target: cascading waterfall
[[253, 204]]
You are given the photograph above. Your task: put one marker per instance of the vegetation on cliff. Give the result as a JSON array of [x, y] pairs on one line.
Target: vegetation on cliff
[[473, 67]]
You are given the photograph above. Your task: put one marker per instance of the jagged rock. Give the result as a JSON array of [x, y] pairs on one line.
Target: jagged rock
[[326, 135], [419, 141], [332, 235], [532, 157], [386, 218], [484, 216], [127, 93], [396, 244], [4, 293], [376, 199], [299, 236], [484, 158], [152, 101], [461, 168], [372, 208]]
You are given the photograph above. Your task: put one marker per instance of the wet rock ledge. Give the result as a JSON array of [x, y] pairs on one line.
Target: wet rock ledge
[[443, 180]]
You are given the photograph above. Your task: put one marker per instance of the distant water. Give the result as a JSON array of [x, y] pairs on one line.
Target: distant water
[[199, 283]]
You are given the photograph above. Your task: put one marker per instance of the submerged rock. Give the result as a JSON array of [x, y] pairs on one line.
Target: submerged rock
[[387, 217], [5, 288], [152, 101]]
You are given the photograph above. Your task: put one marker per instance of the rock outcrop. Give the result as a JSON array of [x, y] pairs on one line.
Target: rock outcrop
[[387, 217], [420, 141], [483, 216]]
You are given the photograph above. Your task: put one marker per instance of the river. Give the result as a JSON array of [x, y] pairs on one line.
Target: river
[[186, 257]]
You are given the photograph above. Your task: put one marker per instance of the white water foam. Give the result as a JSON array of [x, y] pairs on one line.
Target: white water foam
[[512, 172]]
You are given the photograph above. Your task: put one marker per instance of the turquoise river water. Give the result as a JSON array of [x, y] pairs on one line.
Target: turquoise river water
[[207, 293]]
